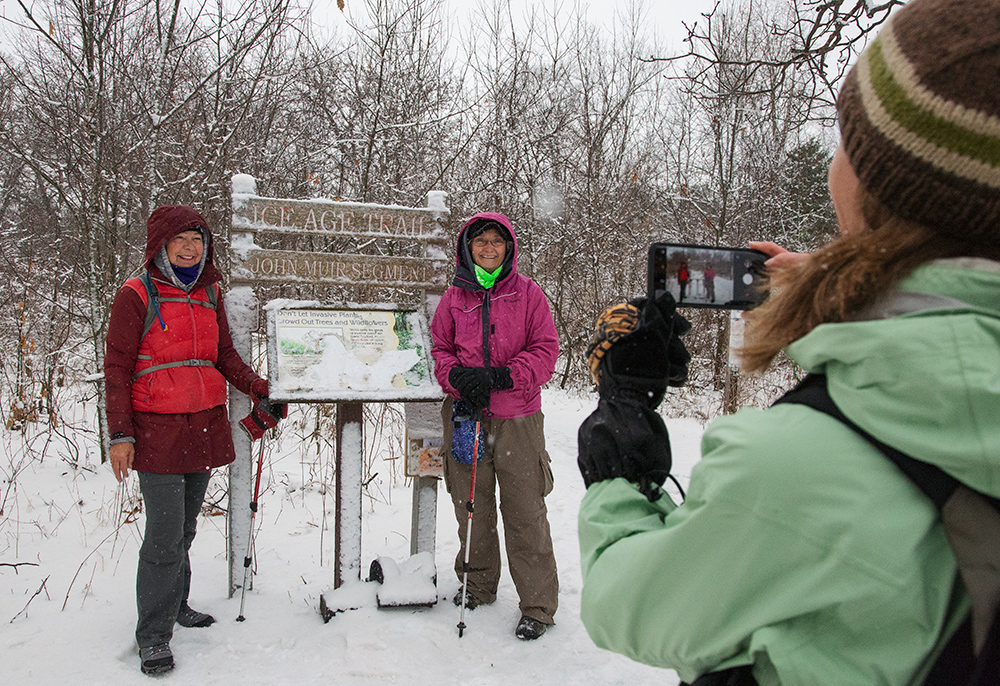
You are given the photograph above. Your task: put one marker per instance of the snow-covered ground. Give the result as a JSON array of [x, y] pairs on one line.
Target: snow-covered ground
[[70, 619]]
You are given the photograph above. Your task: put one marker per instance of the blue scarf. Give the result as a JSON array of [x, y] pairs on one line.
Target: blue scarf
[[187, 275]]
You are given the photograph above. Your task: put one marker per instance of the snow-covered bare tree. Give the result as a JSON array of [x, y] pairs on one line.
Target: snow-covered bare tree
[[819, 40], [744, 114], [382, 105], [613, 181], [120, 106], [826, 36]]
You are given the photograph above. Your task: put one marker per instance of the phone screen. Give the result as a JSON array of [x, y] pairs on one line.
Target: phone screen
[[704, 276]]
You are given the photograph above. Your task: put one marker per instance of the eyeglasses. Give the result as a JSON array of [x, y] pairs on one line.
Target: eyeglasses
[[482, 242]]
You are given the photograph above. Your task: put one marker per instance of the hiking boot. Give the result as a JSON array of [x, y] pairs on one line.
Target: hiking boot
[[192, 618], [471, 601], [156, 659], [529, 629]]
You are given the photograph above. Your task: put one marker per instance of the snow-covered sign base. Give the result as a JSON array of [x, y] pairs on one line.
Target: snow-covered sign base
[[326, 353], [410, 583]]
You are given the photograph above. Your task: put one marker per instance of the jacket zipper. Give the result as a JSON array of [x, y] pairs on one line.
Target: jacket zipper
[[194, 338], [486, 342], [486, 329]]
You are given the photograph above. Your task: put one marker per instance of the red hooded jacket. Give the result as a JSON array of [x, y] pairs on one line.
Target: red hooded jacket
[[177, 415]]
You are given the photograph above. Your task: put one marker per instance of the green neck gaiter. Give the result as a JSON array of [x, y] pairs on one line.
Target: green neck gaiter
[[485, 278]]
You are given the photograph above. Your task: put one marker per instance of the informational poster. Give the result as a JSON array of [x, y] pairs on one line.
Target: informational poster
[[424, 439], [320, 354], [423, 457]]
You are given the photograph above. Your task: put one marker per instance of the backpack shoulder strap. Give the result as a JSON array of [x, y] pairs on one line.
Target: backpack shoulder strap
[[142, 286], [211, 300], [972, 524], [734, 676], [139, 286]]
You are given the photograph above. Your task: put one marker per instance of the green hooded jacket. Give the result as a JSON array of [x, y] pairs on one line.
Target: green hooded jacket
[[800, 548]]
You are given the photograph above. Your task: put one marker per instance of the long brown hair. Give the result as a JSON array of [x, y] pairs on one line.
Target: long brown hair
[[841, 278]]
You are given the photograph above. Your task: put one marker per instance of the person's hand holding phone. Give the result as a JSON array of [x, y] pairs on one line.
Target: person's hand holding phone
[[779, 258]]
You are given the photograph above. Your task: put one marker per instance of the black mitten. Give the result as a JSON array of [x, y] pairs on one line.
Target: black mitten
[[626, 438], [473, 384], [637, 350], [500, 378]]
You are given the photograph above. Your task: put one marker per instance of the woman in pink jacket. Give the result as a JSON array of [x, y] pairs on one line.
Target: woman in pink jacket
[[495, 345]]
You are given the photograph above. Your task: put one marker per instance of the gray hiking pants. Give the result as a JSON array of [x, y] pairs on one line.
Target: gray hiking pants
[[172, 505], [515, 459]]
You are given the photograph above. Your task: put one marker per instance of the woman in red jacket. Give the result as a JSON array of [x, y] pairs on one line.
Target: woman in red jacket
[[168, 358], [683, 277]]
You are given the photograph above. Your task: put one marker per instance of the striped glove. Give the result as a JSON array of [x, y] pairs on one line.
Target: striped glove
[[637, 349]]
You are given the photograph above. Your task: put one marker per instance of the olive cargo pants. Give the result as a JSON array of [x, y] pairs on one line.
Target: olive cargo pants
[[514, 458]]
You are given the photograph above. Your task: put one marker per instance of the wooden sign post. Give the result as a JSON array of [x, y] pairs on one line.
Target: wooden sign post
[[306, 344]]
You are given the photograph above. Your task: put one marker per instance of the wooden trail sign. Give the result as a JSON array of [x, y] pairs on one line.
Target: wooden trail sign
[[285, 266], [253, 215], [421, 230], [325, 217]]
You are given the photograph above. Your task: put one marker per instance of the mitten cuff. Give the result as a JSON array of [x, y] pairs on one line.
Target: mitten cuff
[[643, 390], [500, 378]]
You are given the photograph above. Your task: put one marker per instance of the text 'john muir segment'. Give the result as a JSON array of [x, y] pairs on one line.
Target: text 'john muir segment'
[[294, 216], [276, 265]]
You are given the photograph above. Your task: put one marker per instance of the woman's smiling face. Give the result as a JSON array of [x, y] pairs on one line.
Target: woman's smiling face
[[488, 250], [185, 249]]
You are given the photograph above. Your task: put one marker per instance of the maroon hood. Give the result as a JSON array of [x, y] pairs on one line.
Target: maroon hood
[[169, 220]]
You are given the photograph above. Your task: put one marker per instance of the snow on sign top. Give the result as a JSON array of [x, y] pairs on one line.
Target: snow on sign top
[[327, 354], [326, 217]]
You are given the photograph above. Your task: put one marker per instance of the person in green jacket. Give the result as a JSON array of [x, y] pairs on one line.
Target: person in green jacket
[[800, 554]]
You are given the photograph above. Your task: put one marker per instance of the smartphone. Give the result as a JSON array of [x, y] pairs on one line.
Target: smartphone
[[704, 276]]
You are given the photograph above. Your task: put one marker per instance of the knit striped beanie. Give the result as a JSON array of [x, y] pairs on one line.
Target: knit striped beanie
[[920, 116]]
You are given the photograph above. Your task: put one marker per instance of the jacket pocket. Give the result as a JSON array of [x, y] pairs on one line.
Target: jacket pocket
[[468, 326], [546, 466]]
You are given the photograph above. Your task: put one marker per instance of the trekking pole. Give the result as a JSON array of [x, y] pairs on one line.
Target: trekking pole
[[470, 506], [253, 513]]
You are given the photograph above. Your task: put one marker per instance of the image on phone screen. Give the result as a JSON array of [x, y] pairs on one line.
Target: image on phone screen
[[702, 276]]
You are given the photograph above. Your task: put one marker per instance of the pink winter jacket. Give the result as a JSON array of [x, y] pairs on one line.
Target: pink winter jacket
[[520, 329]]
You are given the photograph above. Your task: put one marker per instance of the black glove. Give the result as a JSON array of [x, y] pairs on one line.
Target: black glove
[[500, 378], [627, 438], [264, 416], [473, 384], [637, 350]]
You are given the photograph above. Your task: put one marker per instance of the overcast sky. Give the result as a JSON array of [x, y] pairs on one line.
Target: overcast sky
[[664, 17]]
